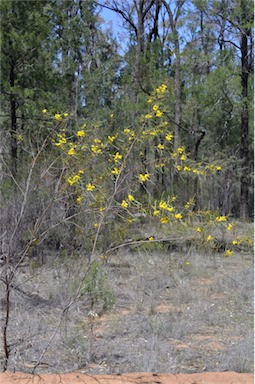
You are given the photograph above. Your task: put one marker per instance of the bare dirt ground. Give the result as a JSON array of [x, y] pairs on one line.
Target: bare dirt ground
[[133, 378], [186, 314]]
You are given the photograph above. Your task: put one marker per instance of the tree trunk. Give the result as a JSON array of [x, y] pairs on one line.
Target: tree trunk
[[13, 106], [173, 24], [177, 80], [244, 150]]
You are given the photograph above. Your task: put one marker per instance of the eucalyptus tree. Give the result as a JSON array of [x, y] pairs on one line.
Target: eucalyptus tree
[[236, 20]]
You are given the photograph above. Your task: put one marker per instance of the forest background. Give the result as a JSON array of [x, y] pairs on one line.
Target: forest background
[[100, 133]]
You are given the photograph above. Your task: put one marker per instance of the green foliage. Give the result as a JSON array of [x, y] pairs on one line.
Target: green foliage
[[96, 289]]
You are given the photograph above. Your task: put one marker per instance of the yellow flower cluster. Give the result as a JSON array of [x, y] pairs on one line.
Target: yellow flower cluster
[[112, 138], [125, 203], [72, 151], [61, 140], [220, 219], [228, 252], [213, 167], [97, 147], [164, 206], [73, 179], [161, 89], [169, 137], [80, 133], [115, 171], [144, 177], [90, 187], [130, 197], [189, 203], [159, 113], [117, 157], [164, 220], [58, 117]]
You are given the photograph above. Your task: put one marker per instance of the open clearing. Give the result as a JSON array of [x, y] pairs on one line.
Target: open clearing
[[176, 312]]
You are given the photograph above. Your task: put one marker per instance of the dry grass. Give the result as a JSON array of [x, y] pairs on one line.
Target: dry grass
[[168, 316]]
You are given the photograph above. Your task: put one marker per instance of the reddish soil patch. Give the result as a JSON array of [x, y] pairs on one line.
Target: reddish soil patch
[[132, 378]]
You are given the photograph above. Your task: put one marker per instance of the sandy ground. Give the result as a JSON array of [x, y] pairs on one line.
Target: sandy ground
[[132, 378]]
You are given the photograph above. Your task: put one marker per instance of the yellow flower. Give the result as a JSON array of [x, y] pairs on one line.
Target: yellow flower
[[183, 157], [150, 100], [178, 216], [148, 116], [229, 227], [159, 113], [198, 229], [179, 168], [126, 130], [156, 212], [80, 133], [117, 157], [58, 116], [124, 204], [79, 199], [130, 197], [71, 152], [131, 137], [73, 179], [111, 139], [180, 150], [20, 138], [143, 177], [115, 171], [218, 168], [187, 169], [160, 146], [161, 89], [95, 148], [229, 252], [66, 114], [210, 238], [235, 242], [174, 154], [155, 107], [220, 219], [151, 238], [62, 141], [90, 187], [163, 204], [169, 137], [164, 220], [44, 110], [173, 198]]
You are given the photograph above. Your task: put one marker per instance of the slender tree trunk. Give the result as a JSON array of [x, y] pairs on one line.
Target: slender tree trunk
[[173, 24], [244, 152], [13, 107], [177, 80]]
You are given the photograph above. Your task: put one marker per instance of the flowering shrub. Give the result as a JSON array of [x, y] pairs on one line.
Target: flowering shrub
[[116, 175]]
